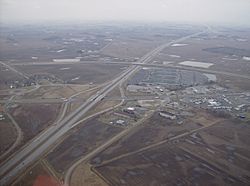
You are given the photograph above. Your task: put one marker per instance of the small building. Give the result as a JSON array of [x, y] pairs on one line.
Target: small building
[[167, 115], [129, 110], [120, 122], [213, 103]]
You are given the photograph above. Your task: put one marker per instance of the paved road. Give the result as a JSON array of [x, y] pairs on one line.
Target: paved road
[[47, 100], [37, 147]]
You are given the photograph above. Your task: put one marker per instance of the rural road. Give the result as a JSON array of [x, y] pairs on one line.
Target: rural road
[[153, 65], [23, 158], [14, 70], [162, 142]]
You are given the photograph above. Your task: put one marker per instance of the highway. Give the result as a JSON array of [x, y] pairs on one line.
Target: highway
[[23, 158]]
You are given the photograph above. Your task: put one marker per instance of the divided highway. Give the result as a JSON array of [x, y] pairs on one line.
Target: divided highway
[[30, 153]]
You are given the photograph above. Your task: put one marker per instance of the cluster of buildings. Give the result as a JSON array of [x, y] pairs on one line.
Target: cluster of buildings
[[20, 83], [231, 103], [125, 116]]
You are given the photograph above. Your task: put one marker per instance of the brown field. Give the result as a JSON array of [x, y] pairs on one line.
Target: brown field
[[87, 73], [80, 142], [8, 134], [218, 155], [203, 117], [38, 175], [225, 146], [165, 165], [152, 131], [34, 118]]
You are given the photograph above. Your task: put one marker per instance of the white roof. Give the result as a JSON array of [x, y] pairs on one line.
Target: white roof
[[131, 108]]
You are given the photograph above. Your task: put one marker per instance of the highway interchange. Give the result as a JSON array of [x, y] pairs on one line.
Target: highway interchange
[[30, 153]]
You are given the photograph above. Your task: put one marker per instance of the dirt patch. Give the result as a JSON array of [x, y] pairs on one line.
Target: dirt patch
[[83, 175], [36, 176]]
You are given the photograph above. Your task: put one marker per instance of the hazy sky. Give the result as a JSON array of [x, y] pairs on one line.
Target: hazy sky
[[216, 11]]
